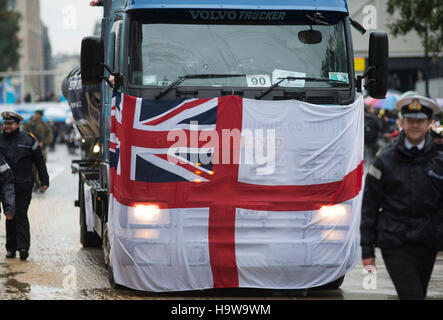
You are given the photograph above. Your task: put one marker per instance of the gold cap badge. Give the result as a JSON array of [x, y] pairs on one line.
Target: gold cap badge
[[415, 105]]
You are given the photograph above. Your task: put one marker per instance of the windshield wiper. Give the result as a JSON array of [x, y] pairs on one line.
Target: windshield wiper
[[297, 78], [195, 76]]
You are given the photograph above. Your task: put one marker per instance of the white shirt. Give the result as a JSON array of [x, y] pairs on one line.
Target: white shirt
[[409, 145]]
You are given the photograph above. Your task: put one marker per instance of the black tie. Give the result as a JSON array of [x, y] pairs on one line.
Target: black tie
[[414, 151]]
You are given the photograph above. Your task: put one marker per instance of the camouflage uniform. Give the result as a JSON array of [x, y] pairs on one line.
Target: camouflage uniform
[[43, 134]]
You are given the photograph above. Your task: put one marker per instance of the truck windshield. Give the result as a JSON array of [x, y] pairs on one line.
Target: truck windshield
[[161, 53]]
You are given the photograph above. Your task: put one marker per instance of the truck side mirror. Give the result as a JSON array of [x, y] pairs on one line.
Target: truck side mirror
[[377, 83], [91, 60]]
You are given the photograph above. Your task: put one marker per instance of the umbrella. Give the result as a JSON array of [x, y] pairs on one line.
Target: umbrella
[[388, 103], [370, 101]]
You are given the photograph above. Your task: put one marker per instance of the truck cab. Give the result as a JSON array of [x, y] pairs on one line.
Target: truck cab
[[266, 50]]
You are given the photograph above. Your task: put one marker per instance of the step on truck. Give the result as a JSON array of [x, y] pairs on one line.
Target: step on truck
[[283, 70]]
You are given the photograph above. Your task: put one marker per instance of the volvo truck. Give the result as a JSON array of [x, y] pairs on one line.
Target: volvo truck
[[170, 50]]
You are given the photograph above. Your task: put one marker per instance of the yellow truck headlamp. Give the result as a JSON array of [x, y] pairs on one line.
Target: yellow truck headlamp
[[337, 214], [96, 148], [148, 214]]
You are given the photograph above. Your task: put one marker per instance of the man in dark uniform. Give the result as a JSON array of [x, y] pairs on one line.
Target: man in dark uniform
[[7, 194], [402, 197], [21, 151]]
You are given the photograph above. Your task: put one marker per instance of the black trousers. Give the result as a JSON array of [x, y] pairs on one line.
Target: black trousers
[[410, 268], [17, 230]]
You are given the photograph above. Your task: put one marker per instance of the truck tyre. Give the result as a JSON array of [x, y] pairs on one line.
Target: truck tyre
[[106, 245], [87, 239], [106, 252], [112, 282], [334, 285]]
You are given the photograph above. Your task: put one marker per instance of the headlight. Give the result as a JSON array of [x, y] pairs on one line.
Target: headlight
[[335, 214], [335, 211], [96, 149], [148, 214]]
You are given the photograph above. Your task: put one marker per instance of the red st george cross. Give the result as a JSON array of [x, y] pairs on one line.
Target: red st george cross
[[222, 193]]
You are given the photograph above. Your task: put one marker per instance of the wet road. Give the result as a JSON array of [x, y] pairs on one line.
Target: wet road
[[59, 268]]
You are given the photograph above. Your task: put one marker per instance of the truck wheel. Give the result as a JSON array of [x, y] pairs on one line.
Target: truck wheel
[[334, 285], [87, 239], [106, 245], [106, 252], [112, 282]]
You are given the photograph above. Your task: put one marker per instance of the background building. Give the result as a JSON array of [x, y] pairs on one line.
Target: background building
[[47, 62], [63, 62], [31, 49], [407, 63]]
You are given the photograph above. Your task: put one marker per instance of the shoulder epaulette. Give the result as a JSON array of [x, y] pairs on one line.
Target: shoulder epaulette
[[32, 135]]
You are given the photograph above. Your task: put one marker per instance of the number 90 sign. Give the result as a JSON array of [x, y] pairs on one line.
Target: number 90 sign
[[258, 81]]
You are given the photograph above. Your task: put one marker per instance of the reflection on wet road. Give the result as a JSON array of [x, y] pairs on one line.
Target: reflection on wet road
[[59, 268]]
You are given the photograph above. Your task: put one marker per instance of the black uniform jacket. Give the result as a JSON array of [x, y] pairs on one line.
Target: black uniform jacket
[[21, 150], [7, 194], [403, 199]]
